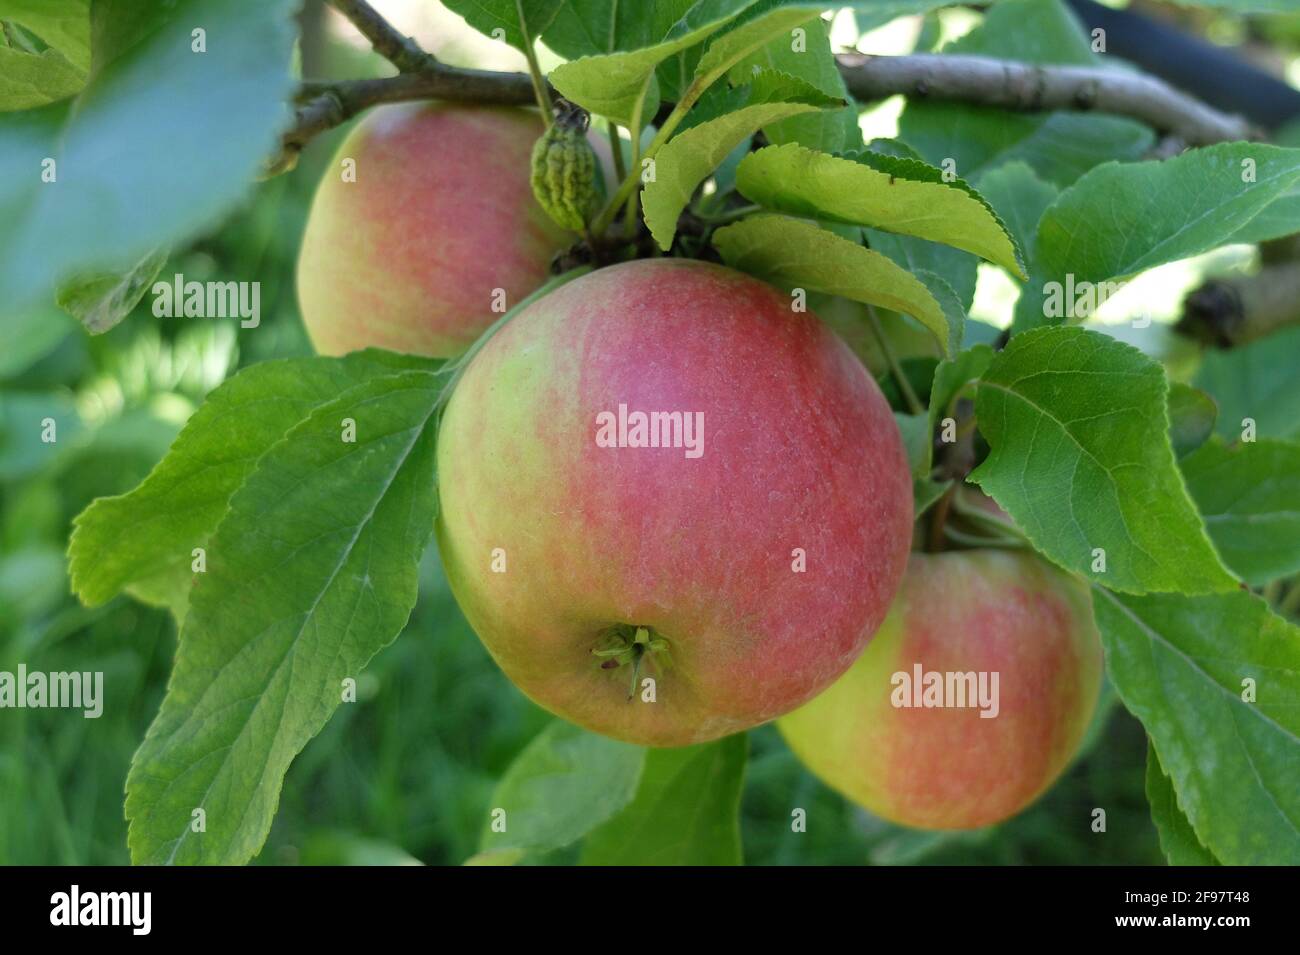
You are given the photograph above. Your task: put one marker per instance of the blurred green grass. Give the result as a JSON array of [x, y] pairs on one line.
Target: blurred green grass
[[406, 772]]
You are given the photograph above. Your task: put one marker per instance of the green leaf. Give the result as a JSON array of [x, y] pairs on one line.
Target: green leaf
[[137, 162], [915, 431], [589, 27], [32, 584], [35, 334], [312, 571], [1121, 219], [35, 79], [1020, 199], [1124, 218], [23, 414], [1279, 219], [62, 25], [769, 85], [689, 157], [1177, 838], [793, 254], [564, 784], [879, 191], [1060, 146], [145, 538], [1029, 31], [958, 270], [916, 169], [686, 810], [950, 303], [765, 86], [1178, 663], [1191, 418], [814, 63], [952, 376], [1080, 459], [1249, 497], [101, 301], [925, 493], [1255, 381], [918, 370], [876, 13], [674, 74], [613, 84], [981, 333], [501, 19], [753, 32]]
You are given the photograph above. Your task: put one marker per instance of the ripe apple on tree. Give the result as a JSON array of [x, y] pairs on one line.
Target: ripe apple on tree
[[742, 580], [949, 767], [410, 256]]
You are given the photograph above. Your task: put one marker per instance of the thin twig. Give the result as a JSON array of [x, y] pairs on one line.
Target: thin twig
[[970, 540], [402, 51], [541, 89], [1227, 312], [1025, 87], [969, 79], [999, 527], [731, 215], [634, 133], [616, 148], [914, 405], [337, 103], [939, 519]]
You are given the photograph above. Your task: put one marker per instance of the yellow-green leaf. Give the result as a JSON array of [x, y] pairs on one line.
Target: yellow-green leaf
[[612, 84], [795, 254], [900, 195], [690, 156]]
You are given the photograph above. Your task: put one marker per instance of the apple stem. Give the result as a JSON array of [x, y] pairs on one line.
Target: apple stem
[[972, 540], [616, 148], [1000, 528], [634, 136], [540, 90], [904, 386], [939, 518]]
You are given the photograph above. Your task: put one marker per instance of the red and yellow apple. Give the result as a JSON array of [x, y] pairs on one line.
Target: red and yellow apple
[[438, 229], [874, 735], [741, 573]]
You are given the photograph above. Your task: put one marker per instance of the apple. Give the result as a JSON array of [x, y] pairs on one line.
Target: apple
[[674, 594], [410, 256], [874, 736]]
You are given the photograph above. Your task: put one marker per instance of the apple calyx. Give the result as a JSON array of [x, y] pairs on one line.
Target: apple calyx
[[631, 644]]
